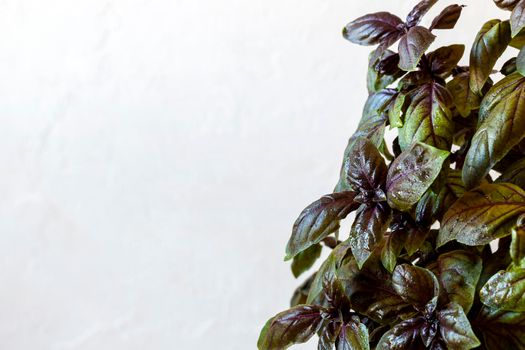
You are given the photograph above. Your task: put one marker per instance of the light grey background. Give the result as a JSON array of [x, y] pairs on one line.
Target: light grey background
[[155, 155]]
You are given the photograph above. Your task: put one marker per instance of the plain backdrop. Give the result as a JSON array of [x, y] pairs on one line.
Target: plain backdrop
[[154, 155]]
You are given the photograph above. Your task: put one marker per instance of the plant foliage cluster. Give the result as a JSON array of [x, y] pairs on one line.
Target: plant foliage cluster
[[417, 270]]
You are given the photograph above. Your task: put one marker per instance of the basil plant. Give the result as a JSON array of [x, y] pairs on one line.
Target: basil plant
[[435, 257]]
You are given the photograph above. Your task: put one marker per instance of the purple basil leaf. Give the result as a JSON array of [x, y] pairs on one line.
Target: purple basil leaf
[[483, 215], [404, 336], [373, 28], [520, 62], [301, 293], [367, 169], [517, 245], [517, 18], [414, 17], [458, 273], [411, 174], [506, 4], [293, 326], [489, 45], [464, 98], [455, 328], [505, 290], [501, 329], [501, 128], [329, 335], [371, 126], [370, 224], [412, 46], [416, 285], [318, 220], [428, 117], [448, 18], [443, 60], [353, 336]]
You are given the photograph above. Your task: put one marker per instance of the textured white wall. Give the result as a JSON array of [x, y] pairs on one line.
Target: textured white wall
[[155, 155]]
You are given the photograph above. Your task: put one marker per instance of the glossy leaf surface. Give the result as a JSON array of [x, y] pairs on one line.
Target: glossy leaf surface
[[412, 46], [412, 173], [416, 285], [489, 45], [482, 215], [372, 29], [455, 328], [292, 326], [505, 290], [448, 18], [318, 220]]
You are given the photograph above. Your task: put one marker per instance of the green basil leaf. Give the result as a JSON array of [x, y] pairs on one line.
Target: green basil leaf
[[508, 67], [382, 71], [458, 273], [414, 17], [412, 46], [501, 329], [367, 169], [489, 45], [294, 326], [412, 173], [394, 243], [496, 136], [372, 28], [482, 215], [370, 224], [318, 220], [404, 336], [515, 174], [443, 60], [306, 259], [395, 113], [505, 290], [498, 93], [517, 18], [428, 118], [464, 99], [455, 328], [353, 336], [416, 285], [448, 18], [517, 245]]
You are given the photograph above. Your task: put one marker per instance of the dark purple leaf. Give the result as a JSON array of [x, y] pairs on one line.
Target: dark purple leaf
[[428, 118], [404, 336], [455, 328], [443, 60], [489, 45], [501, 329], [414, 17], [448, 18], [412, 173], [367, 169], [517, 18], [416, 285], [373, 28], [293, 326], [482, 215], [353, 336], [412, 46], [506, 4], [370, 224]]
